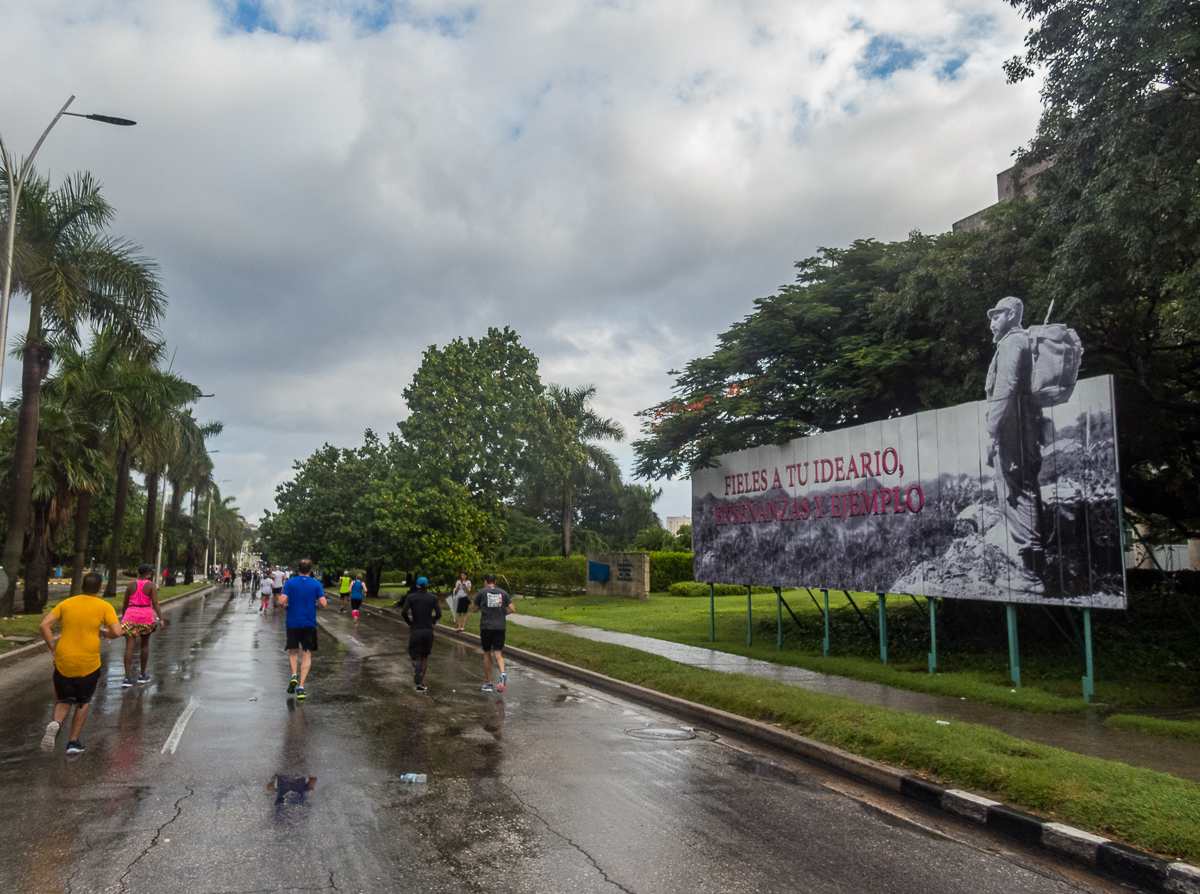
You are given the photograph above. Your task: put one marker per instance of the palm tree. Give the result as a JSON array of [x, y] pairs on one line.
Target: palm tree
[[72, 273], [190, 466], [583, 426]]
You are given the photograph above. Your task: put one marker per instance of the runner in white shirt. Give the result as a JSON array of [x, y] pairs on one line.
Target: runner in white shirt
[[277, 580], [264, 590]]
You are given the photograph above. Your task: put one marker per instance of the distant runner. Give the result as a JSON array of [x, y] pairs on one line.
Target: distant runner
[[302, 596], [85, 618], [277, 580], [421, 611], [138, 620], [344, 590], [265, 590], [495, 606], [356, 595], [462, 599]]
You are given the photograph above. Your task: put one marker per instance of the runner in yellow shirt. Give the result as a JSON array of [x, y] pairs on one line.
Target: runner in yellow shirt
[[85, 618], [344, 590]]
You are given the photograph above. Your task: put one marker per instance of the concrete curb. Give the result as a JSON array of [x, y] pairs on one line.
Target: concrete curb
[[1106, 857], [18, 655]]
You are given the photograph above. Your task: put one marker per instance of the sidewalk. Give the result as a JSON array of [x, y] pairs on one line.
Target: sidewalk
[[1083, 734]]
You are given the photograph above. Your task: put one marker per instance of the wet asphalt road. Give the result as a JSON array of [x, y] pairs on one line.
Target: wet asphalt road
[[548, 787]]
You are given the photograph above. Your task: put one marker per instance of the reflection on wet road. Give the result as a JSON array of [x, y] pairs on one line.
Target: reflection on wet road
[[1081, 734], [549, 787]]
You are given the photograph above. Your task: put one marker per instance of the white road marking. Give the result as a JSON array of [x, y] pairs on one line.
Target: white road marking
[[180, 725], [356, 642]]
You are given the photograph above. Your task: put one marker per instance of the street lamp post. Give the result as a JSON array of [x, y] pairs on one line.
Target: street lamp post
[[14, 196]]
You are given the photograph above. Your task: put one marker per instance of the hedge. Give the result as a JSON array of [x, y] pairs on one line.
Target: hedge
[[689, 589]]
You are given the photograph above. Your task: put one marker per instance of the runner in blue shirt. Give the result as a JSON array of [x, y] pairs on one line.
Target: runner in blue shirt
[[302, 596]]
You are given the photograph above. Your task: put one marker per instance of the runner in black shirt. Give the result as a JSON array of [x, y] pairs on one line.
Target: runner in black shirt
[[421, 611]]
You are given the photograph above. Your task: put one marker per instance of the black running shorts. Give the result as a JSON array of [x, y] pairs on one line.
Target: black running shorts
[[420, 643], [354, 604], [76, 689], [491, 640], [302, 638]]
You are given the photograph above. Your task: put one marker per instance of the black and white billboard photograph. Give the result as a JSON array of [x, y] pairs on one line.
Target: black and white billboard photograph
[[1013, 498]]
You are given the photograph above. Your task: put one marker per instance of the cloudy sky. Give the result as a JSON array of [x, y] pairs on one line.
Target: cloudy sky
[[331, 187]]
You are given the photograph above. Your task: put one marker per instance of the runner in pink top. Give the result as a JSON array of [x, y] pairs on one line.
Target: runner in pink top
[[138, 620]]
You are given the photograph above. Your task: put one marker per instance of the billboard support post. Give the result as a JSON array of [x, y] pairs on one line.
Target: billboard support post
[[712, 616], [826, 592], [1014, 656], [882, 627], [778, 619], [1089, 682], [932, 635], [749, 619]]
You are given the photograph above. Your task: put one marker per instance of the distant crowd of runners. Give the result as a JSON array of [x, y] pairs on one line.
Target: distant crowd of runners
[[87, 618]]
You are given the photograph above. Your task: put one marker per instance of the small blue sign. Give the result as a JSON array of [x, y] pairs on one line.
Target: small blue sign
[[598, 571]]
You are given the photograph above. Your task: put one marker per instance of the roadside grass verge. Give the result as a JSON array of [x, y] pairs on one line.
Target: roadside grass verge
[[1156, 726], [1135, 668], [27, 625], [1144, 808]]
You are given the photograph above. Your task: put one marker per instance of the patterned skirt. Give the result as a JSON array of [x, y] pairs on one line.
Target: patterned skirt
[[130, 629]]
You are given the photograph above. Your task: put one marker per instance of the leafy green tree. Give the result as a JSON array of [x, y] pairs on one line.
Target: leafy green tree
[[324, 512], [73, 273], [435, 527], [479, 415], [866, 333], [1121, 123]]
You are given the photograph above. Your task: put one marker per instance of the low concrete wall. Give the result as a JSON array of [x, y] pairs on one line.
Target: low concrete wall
[[629, 575]]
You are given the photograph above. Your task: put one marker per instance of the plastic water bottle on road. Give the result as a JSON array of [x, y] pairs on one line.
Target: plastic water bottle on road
[[413, 778]]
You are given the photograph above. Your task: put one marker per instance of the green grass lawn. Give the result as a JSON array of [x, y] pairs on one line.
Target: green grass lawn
[[1144, 808], [27, 625], [1051, 670]]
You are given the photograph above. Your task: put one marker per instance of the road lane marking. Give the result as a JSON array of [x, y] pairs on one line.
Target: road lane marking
[[357, 643], [180, 725]]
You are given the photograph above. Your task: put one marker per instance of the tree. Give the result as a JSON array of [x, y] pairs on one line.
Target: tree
[[1121, 123], [868, 332], [479, 415], [323, 512], [435, 527], [581, 426], [72, 274]]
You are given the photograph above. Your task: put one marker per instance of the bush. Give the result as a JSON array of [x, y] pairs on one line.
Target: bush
[[695, 590], [670, 568], [541, 575]]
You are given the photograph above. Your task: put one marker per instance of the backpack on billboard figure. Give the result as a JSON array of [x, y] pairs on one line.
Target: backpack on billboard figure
[[1057, 352]]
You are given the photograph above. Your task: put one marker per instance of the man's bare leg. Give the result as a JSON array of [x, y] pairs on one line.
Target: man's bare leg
[[305, 664], [81, 713], [487, 667]]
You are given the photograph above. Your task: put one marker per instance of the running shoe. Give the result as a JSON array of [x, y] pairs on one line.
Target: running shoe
[[503, 683], [293, 683], [487, 687], [420, 687], [75, 747], [145, 679], [300, 696], [126, 683], [51, 735]]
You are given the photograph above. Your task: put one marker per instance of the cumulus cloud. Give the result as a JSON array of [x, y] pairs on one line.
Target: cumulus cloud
[[331, 187]]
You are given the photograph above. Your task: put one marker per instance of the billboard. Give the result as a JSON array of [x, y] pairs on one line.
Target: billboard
[[1013, 501]]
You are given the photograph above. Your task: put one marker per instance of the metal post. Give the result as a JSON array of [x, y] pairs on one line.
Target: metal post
[[826, 592], [1089, 682], [749, 619], [161, 519], [932, 634], [712, 616], [1014, 655], [208, 536], [778, 620], [882, 627]]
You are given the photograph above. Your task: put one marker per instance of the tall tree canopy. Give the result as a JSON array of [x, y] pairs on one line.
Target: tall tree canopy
[[1121, 122]]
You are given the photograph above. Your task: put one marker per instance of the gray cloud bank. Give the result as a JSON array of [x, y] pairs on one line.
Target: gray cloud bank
[[330, 188]]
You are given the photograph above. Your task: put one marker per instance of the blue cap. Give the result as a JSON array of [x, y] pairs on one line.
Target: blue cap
[[422, 582]]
